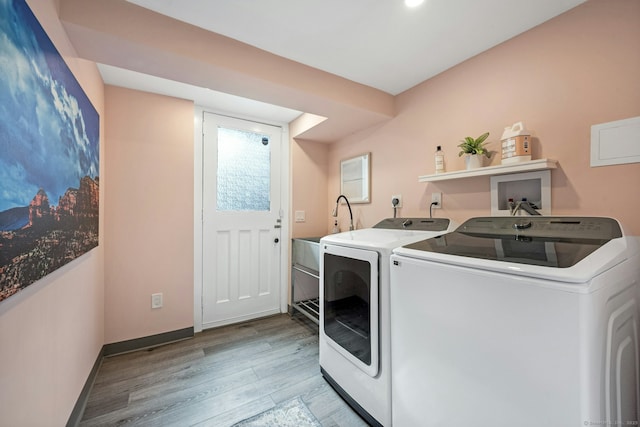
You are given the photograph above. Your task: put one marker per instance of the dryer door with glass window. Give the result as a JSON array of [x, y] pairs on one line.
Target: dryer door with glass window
[[350, 304]]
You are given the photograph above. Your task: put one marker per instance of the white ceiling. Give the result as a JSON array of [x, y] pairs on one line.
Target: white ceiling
[[379, 43]]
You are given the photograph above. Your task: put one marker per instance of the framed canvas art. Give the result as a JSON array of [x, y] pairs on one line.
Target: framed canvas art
[[49, 155]]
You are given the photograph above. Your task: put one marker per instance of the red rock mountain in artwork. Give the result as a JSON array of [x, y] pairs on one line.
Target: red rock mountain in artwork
[[78, 203], [39, 208]]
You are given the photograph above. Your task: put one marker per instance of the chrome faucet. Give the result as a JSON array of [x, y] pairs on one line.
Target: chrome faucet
[[526, 206], [335, 211]]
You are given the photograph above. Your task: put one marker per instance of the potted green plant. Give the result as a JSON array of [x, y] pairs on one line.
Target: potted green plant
[[474, 149]]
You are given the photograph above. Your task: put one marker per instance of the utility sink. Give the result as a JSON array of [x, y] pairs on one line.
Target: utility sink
[[305, 276], [306, 253]]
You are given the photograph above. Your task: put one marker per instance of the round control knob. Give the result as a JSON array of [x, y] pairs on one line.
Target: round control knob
[[522, 225]]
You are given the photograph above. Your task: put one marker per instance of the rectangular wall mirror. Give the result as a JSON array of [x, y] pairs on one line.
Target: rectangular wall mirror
[[355, 174]]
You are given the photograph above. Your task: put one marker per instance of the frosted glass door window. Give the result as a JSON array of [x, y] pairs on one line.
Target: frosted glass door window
[[244, 171]]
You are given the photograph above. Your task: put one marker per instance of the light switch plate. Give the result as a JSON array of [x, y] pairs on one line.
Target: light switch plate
[[156, 300], [299, 215]]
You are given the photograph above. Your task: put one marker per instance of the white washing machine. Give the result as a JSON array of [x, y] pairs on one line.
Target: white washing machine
[[354, 310], [517, 321]]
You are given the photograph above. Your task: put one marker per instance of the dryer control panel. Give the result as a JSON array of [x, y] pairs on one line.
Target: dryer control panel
[[417, 224]]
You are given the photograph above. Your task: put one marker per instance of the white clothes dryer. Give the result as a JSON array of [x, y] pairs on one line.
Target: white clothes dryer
[[354, 310], [517, 321]]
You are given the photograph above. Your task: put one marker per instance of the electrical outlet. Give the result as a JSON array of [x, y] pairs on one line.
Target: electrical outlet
[[156, 300], [436, 197], [399, 197]]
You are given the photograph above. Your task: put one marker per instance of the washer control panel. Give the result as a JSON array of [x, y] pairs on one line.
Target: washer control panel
[[544, 226]]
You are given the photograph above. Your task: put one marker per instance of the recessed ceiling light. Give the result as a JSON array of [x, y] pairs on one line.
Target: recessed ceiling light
[[413, 3]]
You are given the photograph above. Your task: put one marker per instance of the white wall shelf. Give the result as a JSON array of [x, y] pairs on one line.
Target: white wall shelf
[[530, 166]]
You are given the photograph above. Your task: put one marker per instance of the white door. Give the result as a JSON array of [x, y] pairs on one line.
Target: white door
[[241, 220]]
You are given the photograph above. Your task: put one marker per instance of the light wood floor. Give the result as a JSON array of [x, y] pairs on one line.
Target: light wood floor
[[218, 378]]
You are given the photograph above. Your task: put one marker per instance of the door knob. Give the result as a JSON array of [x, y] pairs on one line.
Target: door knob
[[276, 240]]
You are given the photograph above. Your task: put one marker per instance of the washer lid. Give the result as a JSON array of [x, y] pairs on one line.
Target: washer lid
[[537, 260], [549, 241]]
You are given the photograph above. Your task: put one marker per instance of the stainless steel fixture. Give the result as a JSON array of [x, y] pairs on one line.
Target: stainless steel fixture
[[335, 211], [305, 276], [525, 205]]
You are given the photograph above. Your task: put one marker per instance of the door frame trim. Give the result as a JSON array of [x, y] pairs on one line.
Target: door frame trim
[[285, 199]]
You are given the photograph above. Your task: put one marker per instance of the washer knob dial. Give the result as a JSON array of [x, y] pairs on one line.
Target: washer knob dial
[[522, 225]]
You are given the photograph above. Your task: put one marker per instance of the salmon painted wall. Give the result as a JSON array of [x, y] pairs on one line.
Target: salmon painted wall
[[561, 77], [52, 332], [149, 213], [309, 187]]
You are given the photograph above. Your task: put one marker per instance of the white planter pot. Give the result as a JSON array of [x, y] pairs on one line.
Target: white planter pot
[[473, 161]]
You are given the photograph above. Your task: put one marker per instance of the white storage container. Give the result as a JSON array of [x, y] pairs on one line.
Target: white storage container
[[516, 144]]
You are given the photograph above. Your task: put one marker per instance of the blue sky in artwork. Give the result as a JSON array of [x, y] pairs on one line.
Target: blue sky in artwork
[[49, 130]]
